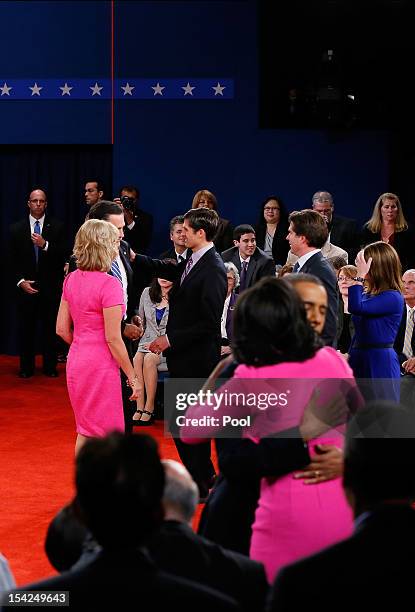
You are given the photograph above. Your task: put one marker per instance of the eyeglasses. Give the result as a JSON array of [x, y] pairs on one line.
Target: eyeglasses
[[343, 278], [38, 201], [271, 209]]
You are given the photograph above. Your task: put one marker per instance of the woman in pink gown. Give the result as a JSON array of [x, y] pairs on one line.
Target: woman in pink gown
[[89, 319], [279, 358]]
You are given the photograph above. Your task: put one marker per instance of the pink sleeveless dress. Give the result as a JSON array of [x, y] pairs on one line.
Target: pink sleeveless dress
[[93, 375]]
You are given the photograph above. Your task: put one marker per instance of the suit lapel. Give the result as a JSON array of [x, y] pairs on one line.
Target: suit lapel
[[252, 266]]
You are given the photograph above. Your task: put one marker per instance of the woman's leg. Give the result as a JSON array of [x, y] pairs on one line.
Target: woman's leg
[[151, 361], [138, 368]]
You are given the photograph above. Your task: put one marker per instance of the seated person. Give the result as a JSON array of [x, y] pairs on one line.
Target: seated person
[[232, 275], [153, 311]]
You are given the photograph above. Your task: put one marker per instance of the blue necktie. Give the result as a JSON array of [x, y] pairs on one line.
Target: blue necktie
[[115, 269], [296, 267], [37, 230]]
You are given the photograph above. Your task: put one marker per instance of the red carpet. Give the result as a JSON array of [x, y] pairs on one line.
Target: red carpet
[[37, 438]]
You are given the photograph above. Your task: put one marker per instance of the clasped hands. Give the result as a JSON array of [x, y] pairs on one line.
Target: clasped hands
[[38, 240], [158, 345]]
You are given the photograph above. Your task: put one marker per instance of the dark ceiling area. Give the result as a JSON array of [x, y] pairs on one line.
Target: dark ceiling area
[[336, 64]]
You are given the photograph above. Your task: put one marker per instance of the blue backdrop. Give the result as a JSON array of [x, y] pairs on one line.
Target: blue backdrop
[[170, 144]]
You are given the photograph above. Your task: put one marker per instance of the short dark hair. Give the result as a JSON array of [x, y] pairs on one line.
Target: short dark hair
[[378, 469], [302, 277], [270, 325], [310, 224], [203, 219], [102, 209], [177, 219], [65, 538], [242, 229], [100, 185], [116, 477], [131, 189], [338, 262]]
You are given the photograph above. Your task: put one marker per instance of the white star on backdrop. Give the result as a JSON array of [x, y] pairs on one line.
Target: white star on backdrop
[[219, 89], [96, 89], [158, 90], [66, 90], [128, 89], [188, 90], [36, 89], [5, 90]]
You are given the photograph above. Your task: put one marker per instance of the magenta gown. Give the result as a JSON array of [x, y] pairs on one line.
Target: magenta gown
[[292, 519], [92, 374]]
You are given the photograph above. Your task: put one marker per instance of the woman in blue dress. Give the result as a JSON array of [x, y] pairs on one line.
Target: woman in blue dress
[[376, 303]]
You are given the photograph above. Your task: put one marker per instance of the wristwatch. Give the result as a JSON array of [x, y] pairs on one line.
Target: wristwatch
[[359, 279]]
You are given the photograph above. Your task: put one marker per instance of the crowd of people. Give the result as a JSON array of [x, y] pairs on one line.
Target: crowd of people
[[301, 304]]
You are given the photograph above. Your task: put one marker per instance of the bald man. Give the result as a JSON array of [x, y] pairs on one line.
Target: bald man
[[178, 550], [37, 245]]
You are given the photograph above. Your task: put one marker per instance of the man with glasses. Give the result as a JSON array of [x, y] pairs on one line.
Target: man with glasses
[[37, 256]]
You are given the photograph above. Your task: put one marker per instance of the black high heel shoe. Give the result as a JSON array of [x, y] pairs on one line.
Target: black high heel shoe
[[150, 421], [136, 421]]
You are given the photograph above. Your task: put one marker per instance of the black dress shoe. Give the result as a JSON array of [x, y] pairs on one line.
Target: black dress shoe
[[25, 374], [51, 373], [149, 421]]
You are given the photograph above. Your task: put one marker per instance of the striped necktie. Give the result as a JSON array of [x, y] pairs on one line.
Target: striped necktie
[[36, 230], [407, 345], [187, 268], [115, 269]]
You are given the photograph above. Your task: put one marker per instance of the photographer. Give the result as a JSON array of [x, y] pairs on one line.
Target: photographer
[[138, 224]]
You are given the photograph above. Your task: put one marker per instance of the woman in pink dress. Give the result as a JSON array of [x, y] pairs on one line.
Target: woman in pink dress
[[284, 368], [89, 319]]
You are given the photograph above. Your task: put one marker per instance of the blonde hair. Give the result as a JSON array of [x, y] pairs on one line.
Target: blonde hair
[[349, 271], [375, 222], [96, 245], [204, 193], [385, 272]]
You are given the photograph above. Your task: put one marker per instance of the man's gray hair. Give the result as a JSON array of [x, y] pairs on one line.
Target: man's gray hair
[[181, 493], [323, 196]]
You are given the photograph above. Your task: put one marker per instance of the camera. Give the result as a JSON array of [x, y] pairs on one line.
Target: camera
[[128, 203]]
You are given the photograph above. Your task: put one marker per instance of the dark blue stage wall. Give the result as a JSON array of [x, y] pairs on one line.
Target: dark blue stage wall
[[173, 144], [198, 127]]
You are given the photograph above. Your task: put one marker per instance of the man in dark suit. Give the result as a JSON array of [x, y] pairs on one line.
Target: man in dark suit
[[116, 477], [307, 233], [251, 262], [343, 232], [178, 251], [373, 568], [193, 335], [177, 549], [131, 331], [37, 249], [138, 223]]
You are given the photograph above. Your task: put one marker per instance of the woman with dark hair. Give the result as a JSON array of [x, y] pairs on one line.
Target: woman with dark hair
[[224, 235], [280, 359], [376, 303], [271, 229], [388, 224], [154, 312]]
